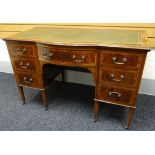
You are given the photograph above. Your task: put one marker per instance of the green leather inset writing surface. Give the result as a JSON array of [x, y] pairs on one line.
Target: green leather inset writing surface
[[84, 37]]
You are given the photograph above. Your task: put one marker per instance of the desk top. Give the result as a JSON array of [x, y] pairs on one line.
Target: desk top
[[84, 37]]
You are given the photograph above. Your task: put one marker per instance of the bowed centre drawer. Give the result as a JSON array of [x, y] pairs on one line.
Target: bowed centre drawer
[[68, 55]]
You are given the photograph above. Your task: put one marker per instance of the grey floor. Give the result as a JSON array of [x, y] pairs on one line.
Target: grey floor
[[70, 109]]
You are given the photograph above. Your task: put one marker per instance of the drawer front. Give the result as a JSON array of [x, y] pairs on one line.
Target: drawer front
[[24, 64], [118, 77], [27, 79], [115, 95], [120, 59], [75, 57], [21, 50]]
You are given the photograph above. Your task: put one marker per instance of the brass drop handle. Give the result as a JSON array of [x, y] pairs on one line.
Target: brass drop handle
[[78, 60], [122, 77], [21, 50], [27, 79], [24, 66], [115, 94], [48, 55], [119, 62]]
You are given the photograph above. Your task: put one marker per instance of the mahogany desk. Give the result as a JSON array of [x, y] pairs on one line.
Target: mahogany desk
[[115, 58]]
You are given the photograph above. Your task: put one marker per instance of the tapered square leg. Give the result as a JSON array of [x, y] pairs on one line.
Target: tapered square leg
[[130, 117], [63, 76], [44, 97], [96, 110], [21, 91]]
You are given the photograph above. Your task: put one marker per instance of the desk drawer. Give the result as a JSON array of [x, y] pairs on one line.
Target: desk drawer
[[126, 59], [27, 79], [64, 56], [21, 50], [115, 95], [118, 77], [25, 64]]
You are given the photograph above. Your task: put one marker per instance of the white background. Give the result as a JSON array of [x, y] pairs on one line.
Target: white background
[[77, 11], [82, 11]]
